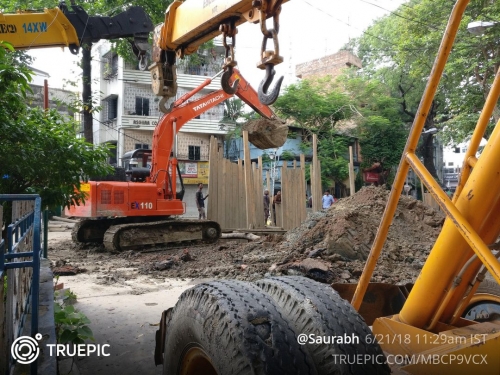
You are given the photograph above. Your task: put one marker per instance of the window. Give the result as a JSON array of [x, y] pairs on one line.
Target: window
[[450, 163], [141, 106], [194, 152], [114, 65], [112, 107], [142, 145]]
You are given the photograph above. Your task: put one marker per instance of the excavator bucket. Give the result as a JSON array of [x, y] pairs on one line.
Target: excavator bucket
[[380, 299], [265, 133]]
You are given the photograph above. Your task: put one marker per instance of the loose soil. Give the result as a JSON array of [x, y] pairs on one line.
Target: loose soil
[[329, 246]]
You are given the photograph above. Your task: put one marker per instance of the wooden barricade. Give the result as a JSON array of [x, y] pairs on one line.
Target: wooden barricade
[[316, 178], [237, 192], [293, 196], [429, 200]]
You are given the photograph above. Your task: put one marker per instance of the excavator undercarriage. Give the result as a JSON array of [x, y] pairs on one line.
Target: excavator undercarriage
[[120, 234]]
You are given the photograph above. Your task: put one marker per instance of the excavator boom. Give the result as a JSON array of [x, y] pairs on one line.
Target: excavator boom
[[135, 211]]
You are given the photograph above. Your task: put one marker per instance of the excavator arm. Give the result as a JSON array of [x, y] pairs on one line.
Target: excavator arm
[[190, 23], [71, 27], [182, 111]]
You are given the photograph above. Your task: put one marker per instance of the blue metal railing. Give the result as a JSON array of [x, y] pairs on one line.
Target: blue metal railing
[[17, 234]]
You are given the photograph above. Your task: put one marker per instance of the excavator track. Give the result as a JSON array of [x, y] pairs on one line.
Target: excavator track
[[137, 236], [93, 230]]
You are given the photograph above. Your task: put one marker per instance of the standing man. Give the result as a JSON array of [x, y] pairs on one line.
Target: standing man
[[276, 200], [266, 206], [327, 200], [200, 202]]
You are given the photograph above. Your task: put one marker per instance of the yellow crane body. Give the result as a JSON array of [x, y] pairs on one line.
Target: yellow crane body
[[50, 28]]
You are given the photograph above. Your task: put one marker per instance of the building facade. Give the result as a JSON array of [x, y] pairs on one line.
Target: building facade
[[130, 111], [58, 98], [328, 65]]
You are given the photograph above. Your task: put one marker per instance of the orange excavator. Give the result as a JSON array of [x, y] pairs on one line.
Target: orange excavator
[[133, 214]]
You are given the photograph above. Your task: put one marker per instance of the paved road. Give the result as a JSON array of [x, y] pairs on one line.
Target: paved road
[[125, 321]]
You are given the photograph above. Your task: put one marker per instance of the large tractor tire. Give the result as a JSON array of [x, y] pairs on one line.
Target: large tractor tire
[[485, 304], [315, 309], [230, 328]]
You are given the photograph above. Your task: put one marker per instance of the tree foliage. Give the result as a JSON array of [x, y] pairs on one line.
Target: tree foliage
[[40, 152], [400, 50], [327, 106]]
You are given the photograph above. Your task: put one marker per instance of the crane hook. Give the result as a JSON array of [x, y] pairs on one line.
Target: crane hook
[[224, 82], [264, 97]]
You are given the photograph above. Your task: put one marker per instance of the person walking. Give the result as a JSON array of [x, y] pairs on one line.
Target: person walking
[[200, 202], [266, 206], [327, 200]]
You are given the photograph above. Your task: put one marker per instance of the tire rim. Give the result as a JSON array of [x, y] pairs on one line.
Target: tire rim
[[483, 308], [197, 362]]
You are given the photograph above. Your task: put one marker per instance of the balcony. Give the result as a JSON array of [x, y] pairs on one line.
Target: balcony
[[194, 126]]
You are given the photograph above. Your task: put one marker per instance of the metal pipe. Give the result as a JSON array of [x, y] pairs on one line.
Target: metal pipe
[[411, 145]]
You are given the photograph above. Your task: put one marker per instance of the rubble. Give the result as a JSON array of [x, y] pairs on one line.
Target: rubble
[[330, 246]]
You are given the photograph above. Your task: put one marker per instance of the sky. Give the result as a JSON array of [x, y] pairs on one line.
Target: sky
[[309, 29]]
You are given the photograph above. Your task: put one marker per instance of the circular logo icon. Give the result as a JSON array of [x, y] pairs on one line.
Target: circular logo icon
[[25, 349]]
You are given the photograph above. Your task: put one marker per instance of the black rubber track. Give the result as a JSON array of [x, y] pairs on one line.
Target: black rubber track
[[238, 327], [315, 308]]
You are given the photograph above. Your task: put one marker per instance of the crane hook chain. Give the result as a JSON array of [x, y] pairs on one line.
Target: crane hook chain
[[269, 58], [229, 30]]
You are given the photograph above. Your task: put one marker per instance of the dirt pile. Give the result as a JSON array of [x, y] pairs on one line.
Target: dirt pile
[[341, 238], [264, 133], [329, 246]]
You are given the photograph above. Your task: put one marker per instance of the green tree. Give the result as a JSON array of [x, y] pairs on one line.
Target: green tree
[[326, 106], [400, 49], [154, 8], [40, 152], [380, 123]]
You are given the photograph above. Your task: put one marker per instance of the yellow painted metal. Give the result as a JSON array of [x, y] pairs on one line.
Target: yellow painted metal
[[196, 362], [37, 30], [472, 222], [191, 23], [483, 297], [471, 349], [470, 155], [411, 144], [475, 217]]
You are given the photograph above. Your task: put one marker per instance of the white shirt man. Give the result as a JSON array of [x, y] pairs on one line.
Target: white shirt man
[[327, 200]]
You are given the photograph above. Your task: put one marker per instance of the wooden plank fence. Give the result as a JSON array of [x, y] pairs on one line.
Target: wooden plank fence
[[236, 191]]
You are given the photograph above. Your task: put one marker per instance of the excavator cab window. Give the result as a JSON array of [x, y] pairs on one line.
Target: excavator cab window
[[179, 184], [179, 194]]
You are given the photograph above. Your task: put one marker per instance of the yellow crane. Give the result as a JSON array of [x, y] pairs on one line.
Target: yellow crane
[[72, 27]]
